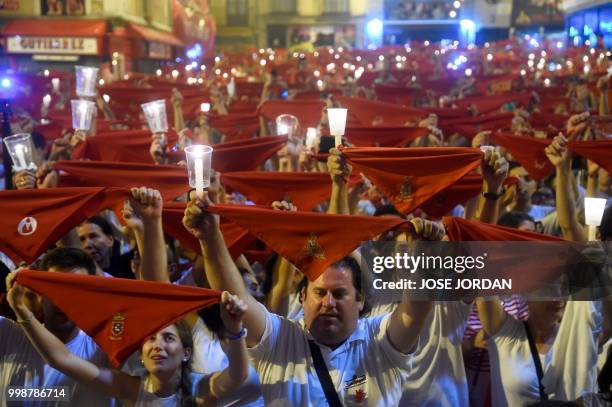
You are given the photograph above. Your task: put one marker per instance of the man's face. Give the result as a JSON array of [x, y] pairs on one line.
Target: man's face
[[54, 317], [331, 308], [526, 186], [95, 242]]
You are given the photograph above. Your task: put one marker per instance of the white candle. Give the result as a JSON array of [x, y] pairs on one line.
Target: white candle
[[46, 100], [199, 176], [55, 82], [83, 116], [337, 123], [311, 137], [21, 161], [282, 129]]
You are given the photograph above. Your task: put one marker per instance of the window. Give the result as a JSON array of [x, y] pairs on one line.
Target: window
[[238, 12], [336, 6], [283, 6]]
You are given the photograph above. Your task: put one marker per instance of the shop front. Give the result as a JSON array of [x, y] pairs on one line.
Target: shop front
[[32, 45]]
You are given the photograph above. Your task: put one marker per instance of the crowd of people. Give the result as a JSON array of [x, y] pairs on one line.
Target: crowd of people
[[499, 143]]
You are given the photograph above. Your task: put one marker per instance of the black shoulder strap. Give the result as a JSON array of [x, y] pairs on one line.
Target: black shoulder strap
[[536, 360], [326, 382]]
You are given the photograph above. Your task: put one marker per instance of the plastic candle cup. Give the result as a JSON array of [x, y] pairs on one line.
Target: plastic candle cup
[[155, 113], [199, 158], [337, 123]]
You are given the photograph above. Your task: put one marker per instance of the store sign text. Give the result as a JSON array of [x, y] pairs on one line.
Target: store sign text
[[52, 45]]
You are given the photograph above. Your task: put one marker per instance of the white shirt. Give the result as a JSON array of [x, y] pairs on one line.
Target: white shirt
[[208, 357], [569, 366], [21, 365], [366, 370], [438, 376]]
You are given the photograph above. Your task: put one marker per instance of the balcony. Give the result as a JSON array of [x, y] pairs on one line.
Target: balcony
[[283, 6], [336, 7]]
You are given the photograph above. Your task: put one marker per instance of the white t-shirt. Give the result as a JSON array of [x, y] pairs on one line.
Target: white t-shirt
[[208, 357], [569, 366], [366, 370], [21, 365], [438, 376]]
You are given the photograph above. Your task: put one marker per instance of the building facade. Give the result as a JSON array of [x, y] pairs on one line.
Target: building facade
[[118, 35], [243, 24]]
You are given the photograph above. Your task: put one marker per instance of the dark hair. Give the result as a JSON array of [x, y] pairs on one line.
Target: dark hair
[[105, 225], [387, 210], [185, 385], [66, 258], [38, 140], [514, 219], [605, 227], [349, 263]]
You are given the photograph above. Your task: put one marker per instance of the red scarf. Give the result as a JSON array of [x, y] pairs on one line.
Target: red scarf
[[118, 313], [34, 219]]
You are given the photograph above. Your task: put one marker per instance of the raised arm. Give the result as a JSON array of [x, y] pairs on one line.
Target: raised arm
[[491, 314], [494, 171], [229, 379], [558, 155], [143, 214], [221, 272], [408, 318], [55, 353], [177, 107], [339, 171]]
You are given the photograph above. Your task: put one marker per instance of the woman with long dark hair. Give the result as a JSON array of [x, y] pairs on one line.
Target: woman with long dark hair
[[166, 356]]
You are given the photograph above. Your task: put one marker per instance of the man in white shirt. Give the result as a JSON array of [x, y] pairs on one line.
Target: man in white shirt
[[367, 359], [21, 365]]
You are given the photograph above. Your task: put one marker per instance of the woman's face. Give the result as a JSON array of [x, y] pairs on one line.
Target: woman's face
[[164, 351]]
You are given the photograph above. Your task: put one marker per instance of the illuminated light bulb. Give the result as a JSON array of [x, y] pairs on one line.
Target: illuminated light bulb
[[532, 56], [530, 63], [452, 14], [101, 82], [457, 4], [585, 59], [225, 75], [217, 60], [202, 67], [468, 72], [106, 98], [262, 62], [358, 58], [46, 72], [316, 54], [381, 57], [331, 51], [398, 65], [175, 73], [543, 53], [317, 74], [158, 72], [547, 82], [426, 43], [489, 57], [523, 72], [337, 56]]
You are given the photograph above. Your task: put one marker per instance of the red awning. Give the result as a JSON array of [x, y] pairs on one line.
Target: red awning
[[54, 27], [151, 34]]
